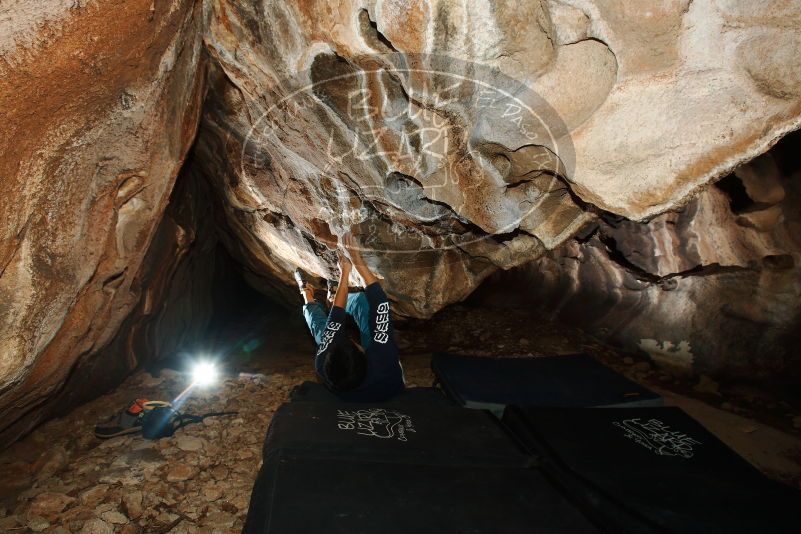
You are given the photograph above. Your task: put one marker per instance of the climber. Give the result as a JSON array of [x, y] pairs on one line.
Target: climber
[[367, 370]]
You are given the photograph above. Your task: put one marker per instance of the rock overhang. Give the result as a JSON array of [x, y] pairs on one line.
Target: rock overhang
[[657, 100]]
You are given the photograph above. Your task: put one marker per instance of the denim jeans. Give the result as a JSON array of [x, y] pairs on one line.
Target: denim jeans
[[357, 307]]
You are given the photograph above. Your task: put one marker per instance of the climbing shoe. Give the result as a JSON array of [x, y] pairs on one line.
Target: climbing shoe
[[128, 421], [331, 288], [300, 278]]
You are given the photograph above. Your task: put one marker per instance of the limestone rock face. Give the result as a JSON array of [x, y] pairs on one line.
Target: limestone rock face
[[329, 115], [99, 103], [713, 288]]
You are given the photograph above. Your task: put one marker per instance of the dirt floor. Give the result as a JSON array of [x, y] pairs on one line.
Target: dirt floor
[[62, 479]]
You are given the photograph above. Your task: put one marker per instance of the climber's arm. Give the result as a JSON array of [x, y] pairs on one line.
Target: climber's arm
[[341, 296], [334, 332], [380, 323]]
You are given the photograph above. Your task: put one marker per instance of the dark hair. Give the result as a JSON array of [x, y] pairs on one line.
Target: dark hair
[[345, 366]]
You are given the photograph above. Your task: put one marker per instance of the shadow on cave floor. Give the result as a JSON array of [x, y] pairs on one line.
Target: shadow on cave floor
[[200, 479]]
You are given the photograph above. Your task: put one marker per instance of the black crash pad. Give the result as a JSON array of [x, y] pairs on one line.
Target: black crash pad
[[575, 380], [421, 434], [653, 469], [316, 392], [333, 496]]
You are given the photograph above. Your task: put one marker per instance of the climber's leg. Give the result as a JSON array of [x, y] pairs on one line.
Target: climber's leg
[[316, 318]]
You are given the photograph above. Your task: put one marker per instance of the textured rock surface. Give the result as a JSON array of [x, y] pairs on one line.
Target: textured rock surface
[[699, 90], [326, 115], [714, 288], [657, 99], [99, 103]]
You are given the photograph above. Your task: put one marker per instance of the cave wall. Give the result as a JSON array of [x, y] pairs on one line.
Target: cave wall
[[177, 288], [99, 102], [712, 288], [458, 140], [324, 116], [327, 115]]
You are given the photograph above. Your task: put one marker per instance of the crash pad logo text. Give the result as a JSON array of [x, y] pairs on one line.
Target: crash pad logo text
[[656, 436], [376, 423]]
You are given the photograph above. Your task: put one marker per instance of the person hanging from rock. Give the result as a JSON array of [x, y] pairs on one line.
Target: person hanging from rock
[[368, 370]]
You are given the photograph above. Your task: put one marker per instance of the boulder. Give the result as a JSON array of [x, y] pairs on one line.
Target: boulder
[[456, 140], [694, 290], [99, 104]]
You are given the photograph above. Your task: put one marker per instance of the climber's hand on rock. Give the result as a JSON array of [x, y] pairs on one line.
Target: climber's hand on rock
[[364, 271], [343, 262], [351, 247]]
